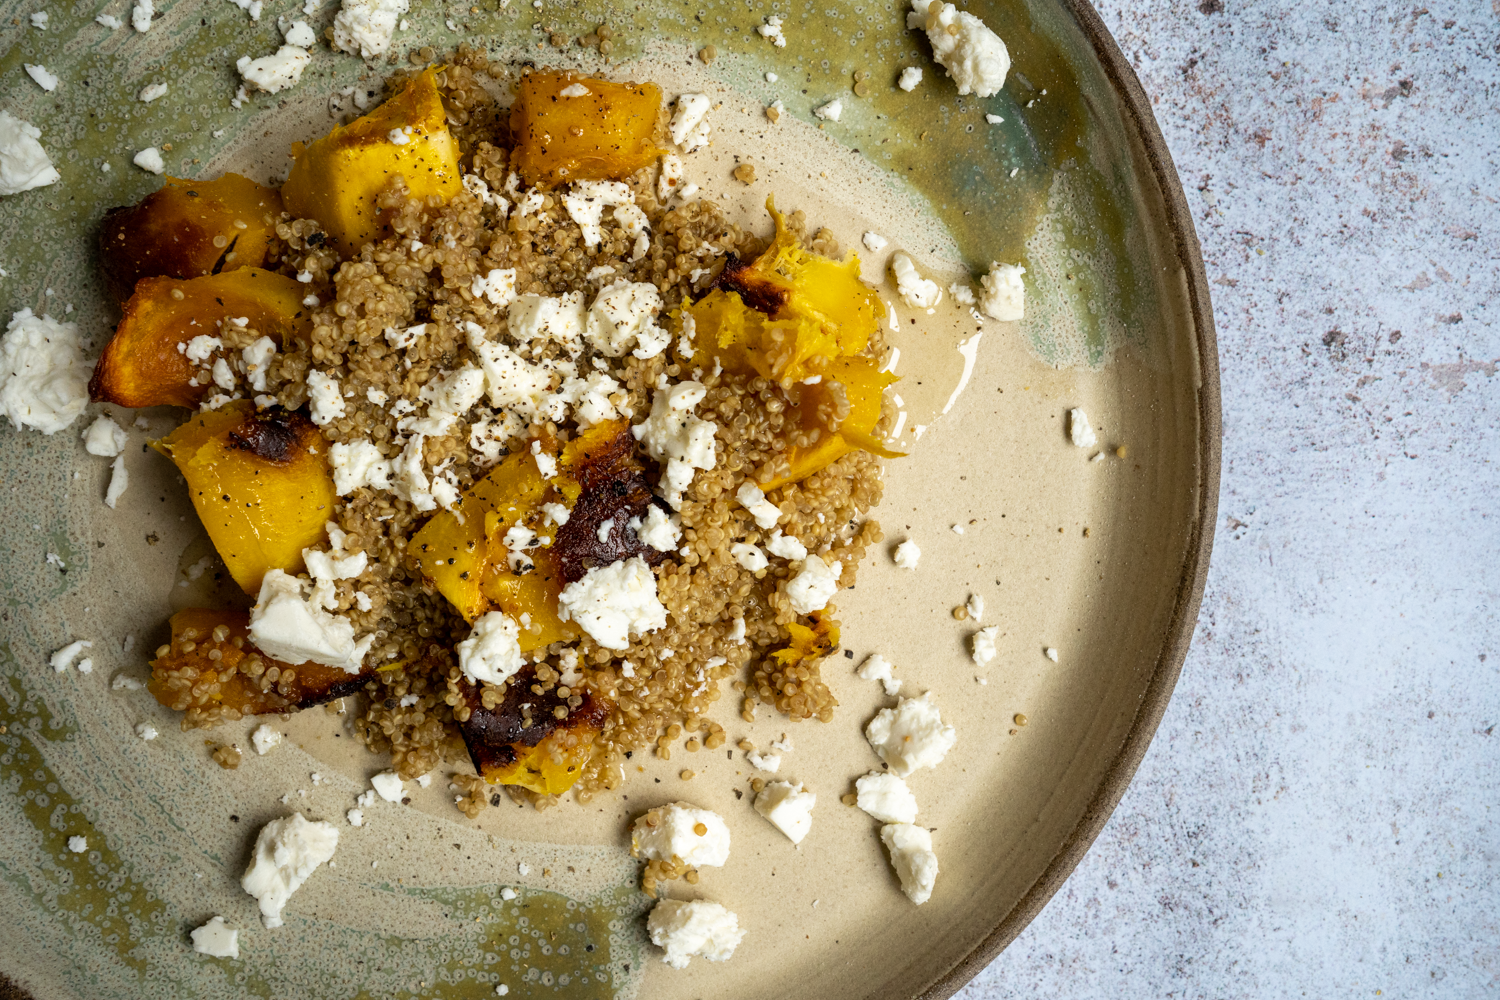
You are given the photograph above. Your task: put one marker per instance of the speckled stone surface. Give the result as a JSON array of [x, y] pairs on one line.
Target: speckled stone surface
[[1319, 814]]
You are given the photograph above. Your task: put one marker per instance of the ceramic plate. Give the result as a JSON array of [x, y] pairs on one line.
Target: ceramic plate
[[1102, 561]]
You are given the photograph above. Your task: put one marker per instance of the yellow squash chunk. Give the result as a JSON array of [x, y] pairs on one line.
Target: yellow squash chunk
[[337, 179], [532, 747], [260, 483], [808, 643], [143, 364], [188, 229], [851, 385], [607, 134]]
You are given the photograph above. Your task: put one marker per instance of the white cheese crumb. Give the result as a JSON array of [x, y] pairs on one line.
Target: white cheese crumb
[[24, 164], [693, 929], [1051, 654], [659, 530], [152, 91], [110, 21], [300, 34], [358, 464], [294, 628], [325, 399], [1080, 432], [388, 786], [753, 499], [150, 160], [910, 77], [764, 761], [910, 848], [749, 556], [878, 668], [911, 735], [789, 808], [124, 682], [690, 121], [276, 72], [104, 438], [886, 797], [78, 844], [265, 738], [612, 602], [43, 376], [785, 546], [673, 831], [984, 644], [830, 111], [1004, 296], [975, 607], [812, 588], [907, 554], [63, 658], [499, 286], [44, 79], [916, 291], [364, 27], [772, 30], [673, 435], [957, 529], [356, 817], [974, 56], [216, 940], [287, 851], [994, 119], [508, 894], [141, 15], [574, 90], [874, 242], [622, 316], [492, 652]]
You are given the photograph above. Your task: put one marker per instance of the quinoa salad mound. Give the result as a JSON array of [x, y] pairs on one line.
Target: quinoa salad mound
[[501, 432]]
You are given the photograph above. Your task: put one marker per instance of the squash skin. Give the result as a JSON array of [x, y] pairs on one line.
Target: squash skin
[[605, 135], [191, 682], [142, 366], [170, 233], [338, 179], [260, 483]]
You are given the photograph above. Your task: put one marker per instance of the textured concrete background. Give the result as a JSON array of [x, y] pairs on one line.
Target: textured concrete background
[[1318, 814]]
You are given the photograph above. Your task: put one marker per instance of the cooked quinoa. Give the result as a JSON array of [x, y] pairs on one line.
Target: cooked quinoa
[[662, 688]]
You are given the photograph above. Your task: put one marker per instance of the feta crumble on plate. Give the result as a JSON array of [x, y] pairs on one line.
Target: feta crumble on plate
[[974, 56], [911, 853], [294, 628], [878, 668], [910, 77], [906, 555], [814, 585], [697, 837], [24, 164], [830, 111], [886, 798], [78, 844], [916, 291], [696, 929], [216, 939], [287, 851], [492, 652], [264, 739], [690, 121], [43, 77], [1003, 296], [910, 736], [772, 30], [364, 27], [1080, 431], [388, 786], [613, 602], [984, 644], [788, 807], [44, 378], [104, 438], [146, 731], [276, 72]]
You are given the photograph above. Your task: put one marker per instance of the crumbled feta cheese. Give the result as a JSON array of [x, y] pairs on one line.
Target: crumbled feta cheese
[[1080, 431], [672, 434], [152, 91], [110, 21], [812, 588], [697, 928], [146, 731], [201, 348], [911, 735], [962, 293], [659, 530], [749, 556], [257, 358], [251, 7], [785, 547], [364, 27], [24, 164], [624, 314], [1051, 654], [492, 652], [875, 243], [690, 121], [44, 381], [104, 438], [910, 848], [886, 797], [287, 851], [915, 290], [300, 34], [694, 836], [984, 644], [325, 398], [772, 30], [215, 939], [764, 761], [830, 111], [613, 601], [292, 628], [1004, 296], [276, 72], [556, 513], [119, 481], [974, 56], [124, 682], [975, 607], [63, 658], [388, 786], [907, 554], [264, 739], [499, 286], [44, 79], [574, 90], [150, 160], [772, 78], [540, 319], [449, 397], [86, 665], [910, 77], [508, 894], [402, 339], [358, 464], [789, 808], [878, 668], [774, 111], [667, 180], [223, 376], [39, 20], [753, 499], [141, 15], [356, 817], [78, 844], [994, 119]]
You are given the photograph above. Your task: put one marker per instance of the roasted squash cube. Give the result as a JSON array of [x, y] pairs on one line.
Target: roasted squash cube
[[260, 483], [337, 179], [843, 410], [605, 134], [188, 229], [531, 747], [144, 364], [240, 680]]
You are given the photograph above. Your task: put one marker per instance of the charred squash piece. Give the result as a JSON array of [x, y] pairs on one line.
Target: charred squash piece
[[606, 134], [188, 229], [144, 364], [467, 559], [241, 680], [260, 483], [337, 179], [808, 643], [532, 748]]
